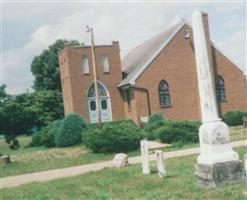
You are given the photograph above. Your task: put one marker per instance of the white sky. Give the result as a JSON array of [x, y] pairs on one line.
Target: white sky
[[28, 28]]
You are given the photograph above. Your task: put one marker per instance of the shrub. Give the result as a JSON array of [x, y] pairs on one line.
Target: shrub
[[114, 138], [48, 137], [71, 131], [156, 117], [36, 140], [155, 121], [15, 144], [179, 131], [234, 118]]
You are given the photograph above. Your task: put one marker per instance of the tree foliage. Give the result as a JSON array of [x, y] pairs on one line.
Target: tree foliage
[[27, 112], [45, 67]]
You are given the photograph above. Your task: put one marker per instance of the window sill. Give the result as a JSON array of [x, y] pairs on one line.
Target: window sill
[[223, 101], [106, 72], [166, 106], [86, 74]]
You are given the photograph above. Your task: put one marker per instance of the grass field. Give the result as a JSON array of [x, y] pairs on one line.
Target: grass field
[[32, 159], [130, 183]]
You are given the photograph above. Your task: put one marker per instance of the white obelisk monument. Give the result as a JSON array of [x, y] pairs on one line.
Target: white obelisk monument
[[217, 161]]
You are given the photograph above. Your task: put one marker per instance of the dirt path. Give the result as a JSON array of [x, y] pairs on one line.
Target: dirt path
[[13, 181]]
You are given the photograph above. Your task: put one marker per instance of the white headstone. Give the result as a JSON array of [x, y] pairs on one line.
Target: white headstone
[[160, 163], [245, 166], [144, 157], [120, 160]]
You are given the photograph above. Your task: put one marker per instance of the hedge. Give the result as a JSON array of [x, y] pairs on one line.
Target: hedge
[[234, 118], [124, 136], [179, 132]]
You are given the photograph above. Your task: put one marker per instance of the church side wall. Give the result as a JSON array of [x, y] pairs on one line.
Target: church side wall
[[176, 65], [235, 86]]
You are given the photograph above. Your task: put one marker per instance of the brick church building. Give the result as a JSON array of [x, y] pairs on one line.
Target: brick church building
[[156, 76]]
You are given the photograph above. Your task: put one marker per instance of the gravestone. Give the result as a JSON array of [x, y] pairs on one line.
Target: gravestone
[[217, 161], [120, 160], [4, 160], [160, 163], [245, 166], [144, 157]]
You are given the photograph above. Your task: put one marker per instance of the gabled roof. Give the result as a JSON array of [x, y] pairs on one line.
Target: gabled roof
[[139, 58]]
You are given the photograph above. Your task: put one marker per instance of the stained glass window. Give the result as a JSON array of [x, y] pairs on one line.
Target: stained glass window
[[101, 91], [164, 95], [220, 89]]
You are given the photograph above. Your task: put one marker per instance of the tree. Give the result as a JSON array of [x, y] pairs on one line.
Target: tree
[[45, 67], [48, 106], [16, 119], [3, 94], [27, 112]]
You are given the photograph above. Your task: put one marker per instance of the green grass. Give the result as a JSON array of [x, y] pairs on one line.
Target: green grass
[[238, 133], [130, 183], [33, 159]]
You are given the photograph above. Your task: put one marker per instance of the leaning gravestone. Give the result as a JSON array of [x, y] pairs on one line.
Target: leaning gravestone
[[217, 161], [144, 157], [120, 160], [160, 163], [4, 160]]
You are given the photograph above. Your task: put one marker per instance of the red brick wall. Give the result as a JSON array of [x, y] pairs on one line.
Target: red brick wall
[[235, 86], [176, 65], [80, 82]]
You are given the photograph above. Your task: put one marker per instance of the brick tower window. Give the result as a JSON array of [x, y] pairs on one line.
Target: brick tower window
[[164, 94], [105, 63], [85, 65], [220, 89]]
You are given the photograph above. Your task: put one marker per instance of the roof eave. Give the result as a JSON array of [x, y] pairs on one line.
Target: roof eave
[[156, 53]]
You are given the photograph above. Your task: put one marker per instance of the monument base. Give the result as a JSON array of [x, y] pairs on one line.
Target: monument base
[[212, 175]]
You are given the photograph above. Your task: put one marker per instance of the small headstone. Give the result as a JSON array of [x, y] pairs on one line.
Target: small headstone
[[144, 157], [120, 160], [160, 163], [4, 160], [245, 166]]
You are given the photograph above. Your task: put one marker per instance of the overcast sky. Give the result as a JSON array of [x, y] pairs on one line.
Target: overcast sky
[[28, 28]]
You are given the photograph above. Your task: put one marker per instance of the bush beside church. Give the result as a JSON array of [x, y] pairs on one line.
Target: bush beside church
[[122, 136]]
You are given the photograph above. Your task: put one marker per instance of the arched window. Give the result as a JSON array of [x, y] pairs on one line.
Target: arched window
[[85, 65], [164, 95], [220, 89], [105, 63], [101, 91]]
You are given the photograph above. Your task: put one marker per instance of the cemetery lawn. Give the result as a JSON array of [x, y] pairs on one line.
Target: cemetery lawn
[[34, 159], [130, 183]]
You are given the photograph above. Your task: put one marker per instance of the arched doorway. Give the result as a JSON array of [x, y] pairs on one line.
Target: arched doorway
[[104, 103]]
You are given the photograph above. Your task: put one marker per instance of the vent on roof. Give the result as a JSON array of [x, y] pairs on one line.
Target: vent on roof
[[186, 34]]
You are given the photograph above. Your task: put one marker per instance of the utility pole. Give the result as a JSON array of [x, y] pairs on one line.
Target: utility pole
[[90, 29]]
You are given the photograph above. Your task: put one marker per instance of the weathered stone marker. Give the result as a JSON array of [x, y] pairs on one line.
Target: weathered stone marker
[[120, 160], [160, 163], [4, 160], [245, 166], [217, 161], [144, 157]]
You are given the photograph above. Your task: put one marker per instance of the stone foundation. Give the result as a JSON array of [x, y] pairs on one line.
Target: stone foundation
[[212, 175]]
